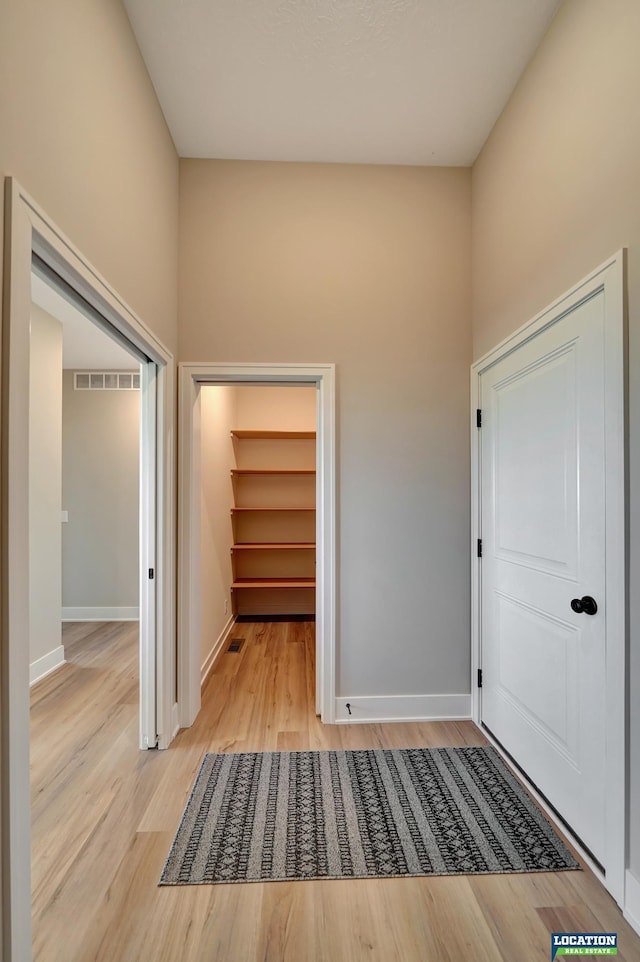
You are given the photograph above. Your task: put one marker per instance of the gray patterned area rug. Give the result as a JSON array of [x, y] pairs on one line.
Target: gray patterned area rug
[[359, 814]]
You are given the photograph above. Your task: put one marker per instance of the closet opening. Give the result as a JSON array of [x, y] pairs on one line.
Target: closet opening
[[266, 468], [257, 514]]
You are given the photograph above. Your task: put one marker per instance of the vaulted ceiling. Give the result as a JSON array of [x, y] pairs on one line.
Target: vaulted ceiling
[[355, 81]]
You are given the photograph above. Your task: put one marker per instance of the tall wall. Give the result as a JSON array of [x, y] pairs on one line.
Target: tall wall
[[367, 267], [45, 483], [83, 133], [100, 490], [556, 190]]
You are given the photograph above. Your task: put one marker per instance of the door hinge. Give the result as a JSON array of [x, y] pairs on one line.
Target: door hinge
[[479, 547], [479, 677], [152, 574], [478, 418]]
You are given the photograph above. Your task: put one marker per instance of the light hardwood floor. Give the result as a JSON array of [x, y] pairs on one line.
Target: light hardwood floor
[[104, 815]]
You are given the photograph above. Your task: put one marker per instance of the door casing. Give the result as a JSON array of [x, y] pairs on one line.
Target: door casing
[[191, 377], [609, 278], [147, 564], [30, 231]]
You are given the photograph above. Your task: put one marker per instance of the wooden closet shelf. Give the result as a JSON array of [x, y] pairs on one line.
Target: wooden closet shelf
[[258, 508], [274, 435], [273, 583], [274, 546], [235, 472], [266, 522]]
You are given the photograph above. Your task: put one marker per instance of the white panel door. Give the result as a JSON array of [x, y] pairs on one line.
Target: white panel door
[[543, 533]]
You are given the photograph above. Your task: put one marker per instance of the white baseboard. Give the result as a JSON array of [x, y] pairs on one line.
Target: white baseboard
[[217, 648], [101, 614], [632, 901], [401, 708], [44, 666]]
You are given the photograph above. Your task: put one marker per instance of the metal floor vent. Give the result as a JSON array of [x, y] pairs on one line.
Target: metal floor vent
[[235, 644]]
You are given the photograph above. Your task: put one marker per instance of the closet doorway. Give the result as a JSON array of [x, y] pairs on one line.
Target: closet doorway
[[256, 513]]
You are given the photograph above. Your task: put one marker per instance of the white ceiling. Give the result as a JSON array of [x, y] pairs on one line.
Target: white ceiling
[[84, 345], [353, 81]]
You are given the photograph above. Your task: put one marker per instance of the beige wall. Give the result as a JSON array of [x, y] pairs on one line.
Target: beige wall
[[81, 129], [276, 409], [556, 190], [45, 482], [83, 133], [367, 267], [100, 490], [217, 419]]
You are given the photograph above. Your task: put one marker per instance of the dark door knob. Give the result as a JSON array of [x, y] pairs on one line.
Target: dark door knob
[[587, 604]]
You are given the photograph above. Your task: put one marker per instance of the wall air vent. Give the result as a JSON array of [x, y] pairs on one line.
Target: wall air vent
[[106, 381]]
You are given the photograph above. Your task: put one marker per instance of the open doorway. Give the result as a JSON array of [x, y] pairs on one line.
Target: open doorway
[[99, 564], [84, 569], [264, 568], [84, 479], [258, 508], [33, 239]]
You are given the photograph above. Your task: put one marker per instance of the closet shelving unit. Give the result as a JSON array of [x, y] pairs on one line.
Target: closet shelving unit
[[273, 522]]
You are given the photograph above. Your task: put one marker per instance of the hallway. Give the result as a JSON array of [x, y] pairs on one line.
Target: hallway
[[104, 815]]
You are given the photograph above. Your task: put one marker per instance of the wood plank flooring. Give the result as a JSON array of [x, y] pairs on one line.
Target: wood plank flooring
[[104, 815]]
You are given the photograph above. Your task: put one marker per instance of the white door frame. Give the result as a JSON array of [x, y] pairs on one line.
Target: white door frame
[[191, 377], [608, 278], [29, 230], [147, 563]]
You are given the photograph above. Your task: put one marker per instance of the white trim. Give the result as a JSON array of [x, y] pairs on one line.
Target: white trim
[[175, 722], [189, 685], [476, 532], [42, 667], [28, 230], [369, 709], [632, 901], [191, 376], [608, 277], [100, 614], [217, 648], [166, 704], [147, 647]]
